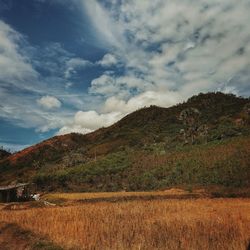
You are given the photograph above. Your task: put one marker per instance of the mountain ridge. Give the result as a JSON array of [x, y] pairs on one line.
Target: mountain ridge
[[220, 116]]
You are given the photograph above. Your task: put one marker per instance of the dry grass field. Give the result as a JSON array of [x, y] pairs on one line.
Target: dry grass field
[[157, 224], [122, 196]]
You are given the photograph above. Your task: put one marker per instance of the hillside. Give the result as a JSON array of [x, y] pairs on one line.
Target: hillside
[[176, 141], [4, 154]]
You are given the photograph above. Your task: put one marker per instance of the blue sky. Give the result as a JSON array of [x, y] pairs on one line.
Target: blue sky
[[77, 65]]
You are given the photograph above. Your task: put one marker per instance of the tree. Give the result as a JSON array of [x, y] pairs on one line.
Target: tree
[[191, 119]]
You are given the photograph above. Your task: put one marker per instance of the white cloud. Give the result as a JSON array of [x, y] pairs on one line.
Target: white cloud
[[85, 122], [49, 102], [104, 85], [72, 128], [110, 85], [108, 60], [92, 120], [163, 99]]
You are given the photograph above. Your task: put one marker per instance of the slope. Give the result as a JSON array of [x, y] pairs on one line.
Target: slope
[[155, 129]]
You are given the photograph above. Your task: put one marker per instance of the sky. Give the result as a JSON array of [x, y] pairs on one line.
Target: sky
[[78, 65]]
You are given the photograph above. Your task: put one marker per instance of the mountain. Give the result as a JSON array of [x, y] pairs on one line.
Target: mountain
[[111, 158], [4, 154]]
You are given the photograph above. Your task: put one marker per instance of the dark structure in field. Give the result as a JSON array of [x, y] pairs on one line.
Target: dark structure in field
[[12, 193]]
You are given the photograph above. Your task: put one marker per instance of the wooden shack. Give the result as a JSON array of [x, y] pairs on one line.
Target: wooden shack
[[14, 193]]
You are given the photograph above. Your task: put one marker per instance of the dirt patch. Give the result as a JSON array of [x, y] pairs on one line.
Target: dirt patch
[[13, 237], [22, 205], [176, 191]]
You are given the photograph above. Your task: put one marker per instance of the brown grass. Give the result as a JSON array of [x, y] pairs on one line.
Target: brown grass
[[87, 196], [172, 224]]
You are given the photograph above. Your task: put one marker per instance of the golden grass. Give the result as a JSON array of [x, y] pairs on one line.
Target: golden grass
[[87, 196], [167, 224]]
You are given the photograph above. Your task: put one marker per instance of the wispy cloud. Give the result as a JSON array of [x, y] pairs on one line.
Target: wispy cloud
[[24, 92], [180, 45], [75, 64], [156, 52], [107, 30], [16, 68]]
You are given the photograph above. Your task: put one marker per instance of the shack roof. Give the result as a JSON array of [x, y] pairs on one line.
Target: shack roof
[[14, 186]]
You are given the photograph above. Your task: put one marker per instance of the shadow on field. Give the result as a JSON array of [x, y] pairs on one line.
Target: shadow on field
[[13, 237]]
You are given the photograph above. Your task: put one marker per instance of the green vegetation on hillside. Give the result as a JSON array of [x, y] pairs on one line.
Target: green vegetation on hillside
[[224, 163]]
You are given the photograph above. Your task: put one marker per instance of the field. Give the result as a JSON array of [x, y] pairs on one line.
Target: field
[[201, 223], [73, 198]]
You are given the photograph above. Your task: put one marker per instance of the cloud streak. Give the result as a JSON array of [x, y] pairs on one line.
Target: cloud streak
[[15, 66], [175, 46]]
